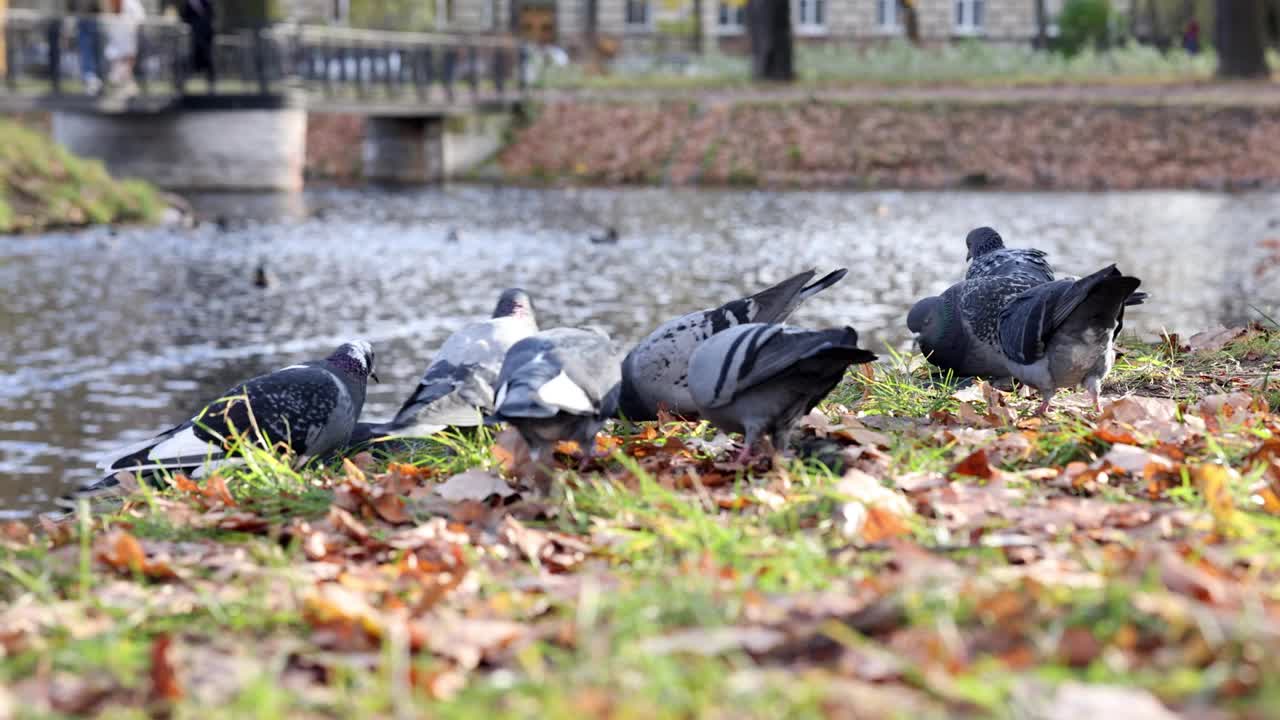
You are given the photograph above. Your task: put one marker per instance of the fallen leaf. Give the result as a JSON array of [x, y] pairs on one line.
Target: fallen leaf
[[1214, 339], [475, 484], [1134, 460], [1185, 579], [512, 453], [1073, 701], [713, 641], [874, 512], [1078, 647], [390, 508], [1214, 483], [974, 465], [164, 678], [122, 552]]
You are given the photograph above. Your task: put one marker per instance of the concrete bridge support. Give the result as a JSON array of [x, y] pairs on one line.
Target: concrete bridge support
[[194, 148], [430, 149]]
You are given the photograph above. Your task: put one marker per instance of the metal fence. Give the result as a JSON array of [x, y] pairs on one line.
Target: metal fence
[[100, 54], [68, 54]]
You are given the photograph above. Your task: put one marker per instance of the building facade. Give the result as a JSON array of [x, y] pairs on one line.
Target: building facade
[[655, 25]]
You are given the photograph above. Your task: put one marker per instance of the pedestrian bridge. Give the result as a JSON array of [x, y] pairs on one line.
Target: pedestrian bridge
[[126, 92]]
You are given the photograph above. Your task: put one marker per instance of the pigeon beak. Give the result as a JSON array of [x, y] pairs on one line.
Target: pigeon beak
[[374, 375], [968, 256]]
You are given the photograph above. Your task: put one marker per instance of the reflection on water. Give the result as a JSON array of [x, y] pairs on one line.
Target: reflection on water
[[112, 335]]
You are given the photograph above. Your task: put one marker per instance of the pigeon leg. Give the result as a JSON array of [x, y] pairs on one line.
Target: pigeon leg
[[1093, 384], [750, 438], [1044, 405]]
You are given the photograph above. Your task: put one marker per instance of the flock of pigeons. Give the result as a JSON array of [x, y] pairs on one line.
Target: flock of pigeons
[[737, 366]]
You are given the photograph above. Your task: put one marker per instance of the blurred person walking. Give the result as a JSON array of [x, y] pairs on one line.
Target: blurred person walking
[[1191, 37], [88, 42], [200, 16], [122, 42]]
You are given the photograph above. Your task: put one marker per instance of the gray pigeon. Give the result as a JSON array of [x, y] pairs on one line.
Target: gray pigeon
[[457, 388], [1051, 335], [989, 257], [309, 408], [655, 372], [560, 384], [758, 379]]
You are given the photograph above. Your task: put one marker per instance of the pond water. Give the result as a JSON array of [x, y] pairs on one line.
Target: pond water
[[112, 335]]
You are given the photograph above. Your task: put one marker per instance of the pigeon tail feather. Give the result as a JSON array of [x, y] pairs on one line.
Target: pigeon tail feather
[[822, 283]]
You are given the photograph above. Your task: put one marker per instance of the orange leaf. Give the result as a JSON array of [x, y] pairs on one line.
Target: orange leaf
[[975, 465], [215, 488], [164, 679], [390, 508], [882, 524]]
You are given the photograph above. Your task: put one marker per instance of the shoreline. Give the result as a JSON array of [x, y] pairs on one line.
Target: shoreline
[[922, 145]]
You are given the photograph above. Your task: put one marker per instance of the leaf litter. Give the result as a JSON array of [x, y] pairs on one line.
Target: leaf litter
[[961, 563]]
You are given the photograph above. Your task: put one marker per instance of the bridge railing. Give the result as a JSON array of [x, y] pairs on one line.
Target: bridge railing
[[88, 55], [91, 54], [366, 65]]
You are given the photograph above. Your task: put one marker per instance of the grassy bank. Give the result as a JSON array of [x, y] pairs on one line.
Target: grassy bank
[[43, 186], [932, 551], [829, 142]]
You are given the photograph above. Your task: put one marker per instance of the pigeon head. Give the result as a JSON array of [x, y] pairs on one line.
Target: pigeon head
[[514, 302], [921, 312], [936, 324], [355, 358], [981, 241]]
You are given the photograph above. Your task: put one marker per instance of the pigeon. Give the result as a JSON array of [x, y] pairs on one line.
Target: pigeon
[[310, 408], [655, 373], [758, 378], [457, 388], [262, 276], [610, 237], [1050, 335], [559, 384], [988, 257]]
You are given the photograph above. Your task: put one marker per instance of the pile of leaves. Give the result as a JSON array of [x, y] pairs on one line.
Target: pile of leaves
[[930, 551], [807, 142]]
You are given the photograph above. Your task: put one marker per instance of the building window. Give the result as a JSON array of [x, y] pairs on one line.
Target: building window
[[638, 13], [733, 15], [887, 15], [970, 15], [811, 14]]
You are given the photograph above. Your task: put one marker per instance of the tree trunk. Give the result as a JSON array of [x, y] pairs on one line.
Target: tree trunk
[[772, 51], [1239, 30], [910, 20], [1042, 25]]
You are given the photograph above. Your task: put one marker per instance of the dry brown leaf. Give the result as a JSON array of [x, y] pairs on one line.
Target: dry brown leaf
[[1078, 647], [1214, 339], [874, 512], [713, 641], [475, 484], [122, 552], [164, 678], [974, 465], [1135, 460], [512, 453]]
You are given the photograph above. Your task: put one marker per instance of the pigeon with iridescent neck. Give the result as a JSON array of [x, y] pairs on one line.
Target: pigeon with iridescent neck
[[1048, 335], [308, 409]]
